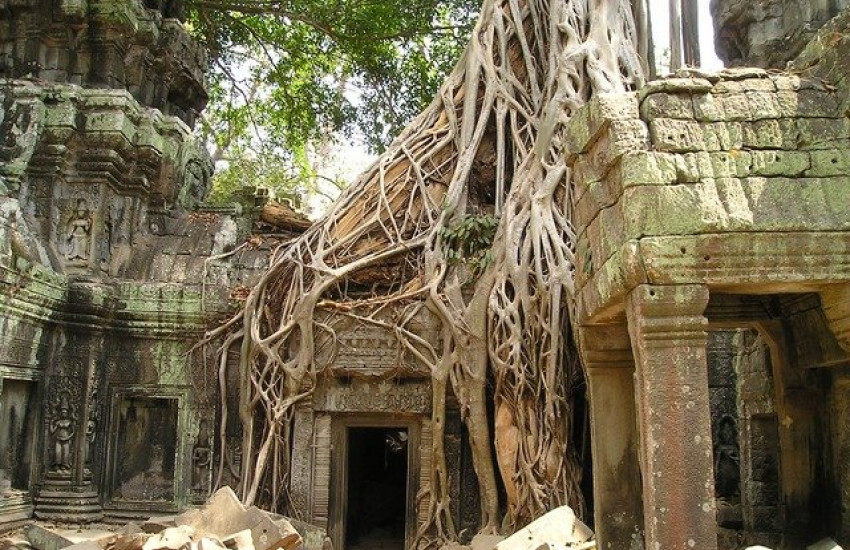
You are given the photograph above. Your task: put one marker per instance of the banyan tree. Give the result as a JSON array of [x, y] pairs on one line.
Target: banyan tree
[[466, 216]]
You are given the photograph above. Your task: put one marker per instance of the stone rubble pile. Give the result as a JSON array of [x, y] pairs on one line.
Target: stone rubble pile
[[559, 529], [223, 523]]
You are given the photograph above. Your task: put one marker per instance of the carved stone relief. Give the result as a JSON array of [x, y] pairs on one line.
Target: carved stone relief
[[78, 233], [385, 396], [201, 460], [62, 431]]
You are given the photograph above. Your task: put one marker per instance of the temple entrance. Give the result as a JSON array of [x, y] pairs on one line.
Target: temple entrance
[[145, 449], [377, 475], [17, 423]]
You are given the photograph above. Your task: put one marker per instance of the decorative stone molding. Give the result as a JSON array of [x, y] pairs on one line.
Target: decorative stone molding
[[117, 44]]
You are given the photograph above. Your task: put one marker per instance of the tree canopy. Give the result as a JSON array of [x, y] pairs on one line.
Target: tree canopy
[[291, 76]]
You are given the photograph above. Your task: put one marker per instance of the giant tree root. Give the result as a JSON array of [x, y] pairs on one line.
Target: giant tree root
[[493, 131]]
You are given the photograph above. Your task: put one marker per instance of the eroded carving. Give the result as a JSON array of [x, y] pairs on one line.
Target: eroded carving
[[78, 234], [62, 431]]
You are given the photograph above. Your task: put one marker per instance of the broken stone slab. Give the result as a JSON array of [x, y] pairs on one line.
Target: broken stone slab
[[207, 543], [560, 526], [173, 538], [155, 524], [224, 515], [485, 542], [86, 545], [131, 528], [239, 541], [314, 538], [134, 541], [45, 539], [824, 544]]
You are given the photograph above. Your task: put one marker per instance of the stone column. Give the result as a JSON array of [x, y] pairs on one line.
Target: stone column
[[302, 459], [67, 490], [668, 333], [609, 366]]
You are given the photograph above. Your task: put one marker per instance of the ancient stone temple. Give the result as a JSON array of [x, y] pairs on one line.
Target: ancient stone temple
[[108, 266], [712, 306], [708, 203]]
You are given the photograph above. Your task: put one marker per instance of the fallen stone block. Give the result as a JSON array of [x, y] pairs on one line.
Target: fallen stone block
[[313, 537], [207, 543], [560, 526], [131, 528], [173, 538], [45, 539], [824, 544], [135, 541], [86, 545], [224, 515], [485, 542], [239, 541], [156, 524]]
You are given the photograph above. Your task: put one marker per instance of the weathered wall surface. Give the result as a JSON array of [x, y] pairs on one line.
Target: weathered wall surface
[[108, 44], [111, 269], [707, 187], [768, 33]]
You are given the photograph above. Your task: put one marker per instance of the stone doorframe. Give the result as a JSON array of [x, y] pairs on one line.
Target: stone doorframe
[[651, 426], [181, 464], [338, 504], [19, 507]]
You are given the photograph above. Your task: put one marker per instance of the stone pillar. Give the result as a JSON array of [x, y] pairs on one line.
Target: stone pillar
[[609, 366], [669, 333], [302, 460], [67, 490]]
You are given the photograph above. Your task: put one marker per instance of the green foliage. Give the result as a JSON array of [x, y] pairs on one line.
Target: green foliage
[[290, 76], [468, 242]]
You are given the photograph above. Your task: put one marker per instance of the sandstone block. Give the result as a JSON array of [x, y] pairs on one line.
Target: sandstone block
[[677, 106], [777, 163], [822, 133], [45, 539], [675, 85], [647, 168], [224, 515], [559, 526], [709, 108], [87, 545], [158, 523], [485, 542], [677, 136], [239, 541], [829, 162], [173, 538]]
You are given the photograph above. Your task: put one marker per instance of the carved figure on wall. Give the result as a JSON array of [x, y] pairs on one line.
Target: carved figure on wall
[[78, 235], [62, 430], [91, 430], [201, 459], [727, 459], [196, 180]]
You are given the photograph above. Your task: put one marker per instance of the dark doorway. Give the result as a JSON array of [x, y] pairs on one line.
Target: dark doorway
[[377, 488], [17, 434], [145, 450]]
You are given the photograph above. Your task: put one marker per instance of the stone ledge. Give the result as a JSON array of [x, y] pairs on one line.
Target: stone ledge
[[725, 262]]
